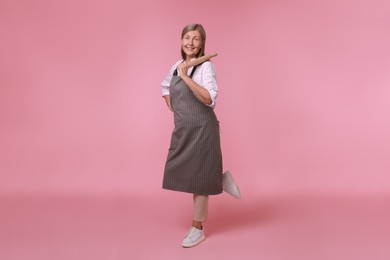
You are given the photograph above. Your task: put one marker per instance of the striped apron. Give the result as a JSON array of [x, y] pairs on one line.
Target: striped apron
[[194, 161]]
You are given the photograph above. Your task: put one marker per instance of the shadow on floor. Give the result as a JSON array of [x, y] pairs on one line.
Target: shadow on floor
[[230, 214]]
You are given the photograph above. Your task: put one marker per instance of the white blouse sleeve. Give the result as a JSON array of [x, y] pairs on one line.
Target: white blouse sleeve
[[167, 81], [209, 81]]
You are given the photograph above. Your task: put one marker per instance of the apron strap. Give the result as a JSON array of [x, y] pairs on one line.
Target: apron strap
[[193, 70]]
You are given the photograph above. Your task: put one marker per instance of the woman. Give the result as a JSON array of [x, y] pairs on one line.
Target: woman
[[194, 161]]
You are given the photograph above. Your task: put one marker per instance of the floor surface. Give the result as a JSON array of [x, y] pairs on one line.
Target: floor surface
[[115, 227]]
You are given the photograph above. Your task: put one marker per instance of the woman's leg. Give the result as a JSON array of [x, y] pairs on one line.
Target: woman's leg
[[196, 233], [201, 203]]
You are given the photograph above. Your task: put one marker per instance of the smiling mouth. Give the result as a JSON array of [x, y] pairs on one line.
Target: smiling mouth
[[190, 48]]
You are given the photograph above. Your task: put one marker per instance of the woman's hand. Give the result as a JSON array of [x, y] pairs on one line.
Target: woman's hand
[[183, 69]]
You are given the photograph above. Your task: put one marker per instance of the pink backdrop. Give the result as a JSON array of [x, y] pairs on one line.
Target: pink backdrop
[[84, 133], [303, 104]]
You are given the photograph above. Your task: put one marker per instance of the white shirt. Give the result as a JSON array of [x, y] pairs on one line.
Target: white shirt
[[204, 76]]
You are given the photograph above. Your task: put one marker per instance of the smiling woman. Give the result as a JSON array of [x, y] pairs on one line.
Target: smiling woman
[[194, 161], [193, 41]]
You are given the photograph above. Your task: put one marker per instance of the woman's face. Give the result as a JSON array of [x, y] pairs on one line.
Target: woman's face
[[191, 43]]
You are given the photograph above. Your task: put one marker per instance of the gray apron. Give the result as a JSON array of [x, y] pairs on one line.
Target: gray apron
[[194, 161]]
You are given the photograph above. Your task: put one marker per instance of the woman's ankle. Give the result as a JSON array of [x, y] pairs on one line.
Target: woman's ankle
[[197, 225]]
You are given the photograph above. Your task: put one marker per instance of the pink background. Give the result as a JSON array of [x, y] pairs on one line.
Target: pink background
[[303, 104]]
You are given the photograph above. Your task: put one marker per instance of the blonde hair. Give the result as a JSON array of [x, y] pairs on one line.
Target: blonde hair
[[200, 29]]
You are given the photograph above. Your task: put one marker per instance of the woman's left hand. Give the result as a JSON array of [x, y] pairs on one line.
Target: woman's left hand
[[183, 69]]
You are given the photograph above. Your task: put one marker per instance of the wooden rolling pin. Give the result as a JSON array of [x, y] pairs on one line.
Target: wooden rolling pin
[[199, 60]]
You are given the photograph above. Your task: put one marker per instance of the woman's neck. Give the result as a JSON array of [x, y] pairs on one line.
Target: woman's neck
[[188, 58]]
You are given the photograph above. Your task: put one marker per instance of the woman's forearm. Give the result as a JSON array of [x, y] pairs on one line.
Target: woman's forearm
[[200, 93]]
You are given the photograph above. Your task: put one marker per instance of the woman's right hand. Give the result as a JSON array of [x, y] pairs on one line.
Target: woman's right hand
[[183, 69]]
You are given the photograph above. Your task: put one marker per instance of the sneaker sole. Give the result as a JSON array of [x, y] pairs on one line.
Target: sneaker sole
[[194, 243], [230, 186]]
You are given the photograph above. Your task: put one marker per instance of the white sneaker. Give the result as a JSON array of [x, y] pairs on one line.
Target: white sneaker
[[194, 237], [229, 185]]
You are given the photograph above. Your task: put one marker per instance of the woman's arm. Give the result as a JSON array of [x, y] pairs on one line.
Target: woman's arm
[[200, 93], [165, 85]]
